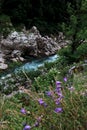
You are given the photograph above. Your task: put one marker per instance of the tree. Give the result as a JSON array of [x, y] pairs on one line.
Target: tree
[[1, 2], [76, 27], [36, 12]]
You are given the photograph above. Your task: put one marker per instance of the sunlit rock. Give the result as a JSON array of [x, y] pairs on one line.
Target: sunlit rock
[[30, 43], [3, 66]]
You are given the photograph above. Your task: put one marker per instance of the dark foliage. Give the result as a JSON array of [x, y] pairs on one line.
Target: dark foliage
[[46, 15]]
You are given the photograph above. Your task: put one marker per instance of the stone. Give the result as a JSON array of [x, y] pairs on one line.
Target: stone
[[23, 38], [13, 35], [2, 60], [3, 66], [16, 53], [21, 59], [14, 59], [29, 43]]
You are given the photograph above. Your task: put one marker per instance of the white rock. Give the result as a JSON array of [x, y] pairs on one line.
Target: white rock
[[2, 60], [23, 38], [21, 59], [13, 35], [14, 59], [17, 40], [3, 66], [16, 53]]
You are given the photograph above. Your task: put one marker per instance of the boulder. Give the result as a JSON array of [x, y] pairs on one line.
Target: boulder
[[2, 60], [3, 66], [16, 53], [32, 42], [29, 43]]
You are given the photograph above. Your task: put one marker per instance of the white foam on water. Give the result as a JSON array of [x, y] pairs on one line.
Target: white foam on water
[[33, 65]]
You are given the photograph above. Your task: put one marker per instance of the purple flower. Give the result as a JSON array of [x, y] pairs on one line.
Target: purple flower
[[58, 90], [71, 89], [60, 94], [58, 110], [39, 118], [57, 101], [23, 111], [27, 127], [58, 84], [41, 102], [48, 93], [65, 79], [36, 124], [44, 104]]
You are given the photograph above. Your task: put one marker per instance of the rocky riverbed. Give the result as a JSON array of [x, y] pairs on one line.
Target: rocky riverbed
[[17, 45], [18, 77]]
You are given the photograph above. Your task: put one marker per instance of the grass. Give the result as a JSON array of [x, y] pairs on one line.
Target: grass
[[74, 105]]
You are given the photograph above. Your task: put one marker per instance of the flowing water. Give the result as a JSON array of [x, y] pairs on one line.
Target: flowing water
[[33, 65]]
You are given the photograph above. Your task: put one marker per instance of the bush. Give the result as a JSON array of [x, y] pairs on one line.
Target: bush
[[82, 51], [66, 56], [5, 25]]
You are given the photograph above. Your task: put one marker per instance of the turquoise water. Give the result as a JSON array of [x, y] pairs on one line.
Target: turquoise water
[[33, 65]]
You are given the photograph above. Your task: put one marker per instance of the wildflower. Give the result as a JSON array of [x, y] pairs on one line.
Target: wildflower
[[48, 93], [58, 110], [39, 118], [23, 111], [71, 89], [58, 90], [58, 84], [41, 102], [44, 104], [57, 101], [65, 79], [36, 124], [27, 127], [60, 94]]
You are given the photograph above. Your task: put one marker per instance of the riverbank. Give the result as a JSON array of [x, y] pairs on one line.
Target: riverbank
[[19, 75]]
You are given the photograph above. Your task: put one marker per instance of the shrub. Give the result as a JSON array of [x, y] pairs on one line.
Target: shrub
[[82, 51], [66, 57], [5, 25]]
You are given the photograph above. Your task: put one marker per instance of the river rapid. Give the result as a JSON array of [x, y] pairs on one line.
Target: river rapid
[[35, 64], [31, 65]]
